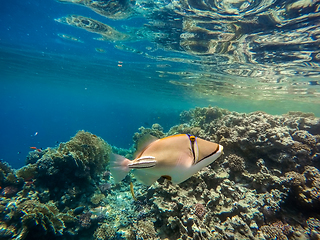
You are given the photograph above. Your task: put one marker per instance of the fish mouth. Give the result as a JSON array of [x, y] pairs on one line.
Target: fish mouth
[[221, 149]]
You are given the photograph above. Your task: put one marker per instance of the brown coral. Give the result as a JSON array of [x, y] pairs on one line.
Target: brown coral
[[87, 148], [294, 179], [9, 191], [235, 163], [200, 210], [85, 220], [105, 231], [272, 232], [305, 187]]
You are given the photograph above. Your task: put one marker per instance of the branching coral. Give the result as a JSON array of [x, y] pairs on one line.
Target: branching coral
[[29, 217], [103, 232], [88, 149], [156, 131]]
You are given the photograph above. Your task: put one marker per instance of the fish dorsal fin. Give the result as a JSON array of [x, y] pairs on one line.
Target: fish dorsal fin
[[143, 142]]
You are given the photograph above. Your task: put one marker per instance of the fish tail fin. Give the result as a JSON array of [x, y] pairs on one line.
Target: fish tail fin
[[119, 167]]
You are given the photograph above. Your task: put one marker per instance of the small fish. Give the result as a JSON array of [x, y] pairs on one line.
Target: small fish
[[35, 134], [175, 158], [99, 211], [34, 148]]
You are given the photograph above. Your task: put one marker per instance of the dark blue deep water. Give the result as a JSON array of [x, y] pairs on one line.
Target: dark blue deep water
[[54, 86]]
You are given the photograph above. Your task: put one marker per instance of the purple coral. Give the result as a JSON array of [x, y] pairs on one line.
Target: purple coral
[[104, 187]]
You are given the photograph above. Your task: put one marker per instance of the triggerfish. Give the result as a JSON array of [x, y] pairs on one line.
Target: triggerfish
[[176, 158]]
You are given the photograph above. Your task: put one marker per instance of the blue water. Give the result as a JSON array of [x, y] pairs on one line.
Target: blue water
[[54, 87]]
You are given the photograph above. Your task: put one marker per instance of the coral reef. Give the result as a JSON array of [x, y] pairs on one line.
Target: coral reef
[[265, 186], [10, 184], [44, 197], [268, 161], [69, 170], [305, 187]]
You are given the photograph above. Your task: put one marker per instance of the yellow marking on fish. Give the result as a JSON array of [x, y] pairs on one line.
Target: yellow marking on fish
[[132, 191]]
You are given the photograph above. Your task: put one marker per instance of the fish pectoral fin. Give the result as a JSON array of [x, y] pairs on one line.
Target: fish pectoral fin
[[143, 162], [145, 177]]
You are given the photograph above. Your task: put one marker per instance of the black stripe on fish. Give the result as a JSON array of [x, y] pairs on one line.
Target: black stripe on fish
[[192, 140], [135, 167]]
